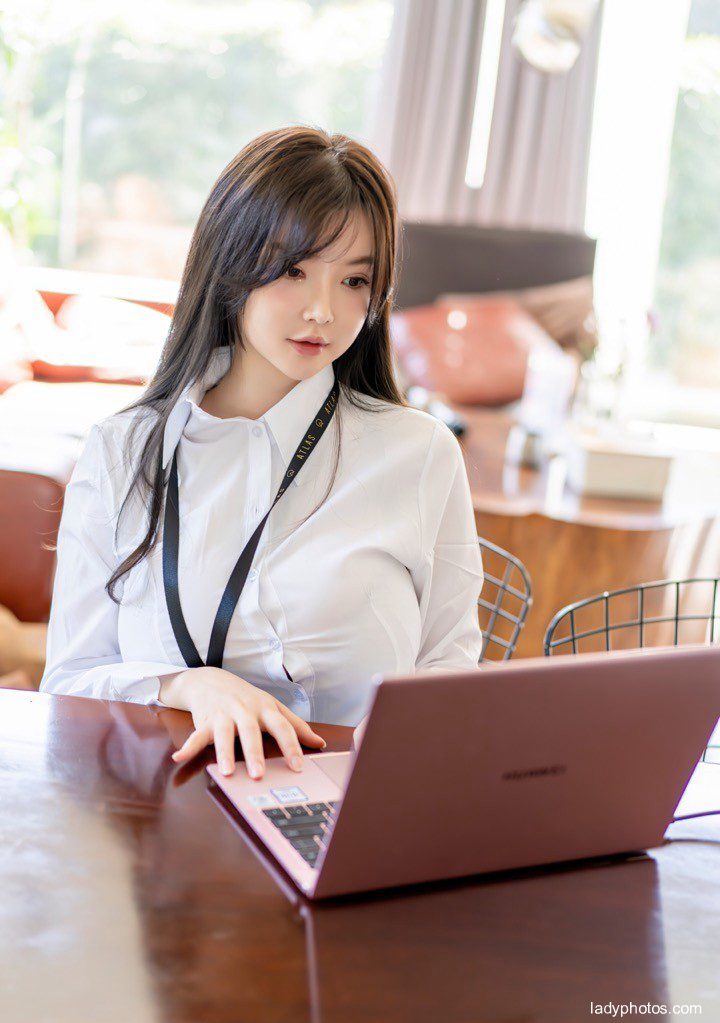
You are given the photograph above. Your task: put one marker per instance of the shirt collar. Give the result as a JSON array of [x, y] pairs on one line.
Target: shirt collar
[[287, 420], [193, 394]]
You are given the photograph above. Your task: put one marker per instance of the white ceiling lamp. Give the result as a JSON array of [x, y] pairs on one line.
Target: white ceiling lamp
[[549, 34]]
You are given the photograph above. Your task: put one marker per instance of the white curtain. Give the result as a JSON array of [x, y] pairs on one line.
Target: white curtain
[[540, 136]]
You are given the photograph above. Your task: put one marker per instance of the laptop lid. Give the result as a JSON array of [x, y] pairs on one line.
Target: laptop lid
[[526, 763]]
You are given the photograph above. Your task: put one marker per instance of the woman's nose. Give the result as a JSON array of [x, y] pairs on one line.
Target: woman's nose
[[319, 307]]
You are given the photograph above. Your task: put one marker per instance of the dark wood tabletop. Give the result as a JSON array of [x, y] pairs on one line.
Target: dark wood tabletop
[[129, 897]]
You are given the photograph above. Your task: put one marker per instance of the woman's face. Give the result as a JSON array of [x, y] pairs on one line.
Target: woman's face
[[324, 298]]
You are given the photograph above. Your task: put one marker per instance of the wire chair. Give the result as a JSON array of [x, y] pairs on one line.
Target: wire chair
[[665, 613], [504, 602], [669, 612]]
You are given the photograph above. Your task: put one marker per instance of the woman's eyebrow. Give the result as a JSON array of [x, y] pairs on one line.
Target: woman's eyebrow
[[362, 261]]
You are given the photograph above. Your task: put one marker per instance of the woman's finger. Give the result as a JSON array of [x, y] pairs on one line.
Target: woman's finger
[[224, 738], [302, 728], [251, 742], [194, 744], [285, 735]]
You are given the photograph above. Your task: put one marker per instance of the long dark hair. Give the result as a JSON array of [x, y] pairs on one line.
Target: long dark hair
[[285, 197]]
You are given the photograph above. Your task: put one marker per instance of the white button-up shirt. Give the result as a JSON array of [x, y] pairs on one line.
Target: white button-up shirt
[[381, 579]]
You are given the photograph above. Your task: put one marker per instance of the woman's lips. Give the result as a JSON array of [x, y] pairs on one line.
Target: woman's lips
[[308, 347]]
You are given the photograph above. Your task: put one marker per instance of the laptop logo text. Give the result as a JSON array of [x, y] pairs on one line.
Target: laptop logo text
[[534, 772]]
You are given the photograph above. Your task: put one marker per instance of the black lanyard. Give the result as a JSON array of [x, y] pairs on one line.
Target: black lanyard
[[228, 603]]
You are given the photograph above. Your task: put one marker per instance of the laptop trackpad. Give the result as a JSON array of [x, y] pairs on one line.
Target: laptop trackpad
[[335, 765]]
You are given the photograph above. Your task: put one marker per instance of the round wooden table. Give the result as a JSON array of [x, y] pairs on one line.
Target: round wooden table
[[574, 546]]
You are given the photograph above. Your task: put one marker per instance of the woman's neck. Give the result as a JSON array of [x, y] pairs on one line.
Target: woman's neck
[[251, 386]]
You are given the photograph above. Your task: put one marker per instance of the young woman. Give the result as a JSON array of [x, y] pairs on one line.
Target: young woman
[[270, 527]]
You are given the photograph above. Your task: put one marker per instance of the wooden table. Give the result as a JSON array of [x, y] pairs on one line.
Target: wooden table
[[574, 546], [128, 897]]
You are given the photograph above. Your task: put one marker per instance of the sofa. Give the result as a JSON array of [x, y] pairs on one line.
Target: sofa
[[62, 368]]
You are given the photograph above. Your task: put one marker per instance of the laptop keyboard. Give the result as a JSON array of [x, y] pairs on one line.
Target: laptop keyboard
[[304, 825]]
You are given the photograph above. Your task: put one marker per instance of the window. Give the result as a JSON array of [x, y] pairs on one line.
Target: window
[[652, 203], [685, 341], [116, 117]]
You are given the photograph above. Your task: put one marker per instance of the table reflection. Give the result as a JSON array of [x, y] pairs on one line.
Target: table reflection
[[512, 949], [128, 895], [73, 935]]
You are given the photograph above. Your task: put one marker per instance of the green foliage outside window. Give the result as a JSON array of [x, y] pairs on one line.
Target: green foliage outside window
[[115, 118], [686, 341]]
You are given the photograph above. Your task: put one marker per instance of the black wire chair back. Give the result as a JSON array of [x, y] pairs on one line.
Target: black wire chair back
[[504, 602], [670, 612]]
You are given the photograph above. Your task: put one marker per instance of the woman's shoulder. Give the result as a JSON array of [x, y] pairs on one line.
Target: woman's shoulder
[[406, 424], [386, 414], [107, 458], [114, 432]]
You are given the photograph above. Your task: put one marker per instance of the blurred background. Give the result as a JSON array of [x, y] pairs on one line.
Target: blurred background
[[115, 118], [556, 164], [118, 116]]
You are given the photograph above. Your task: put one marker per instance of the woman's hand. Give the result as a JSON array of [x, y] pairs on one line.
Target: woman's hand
[[223, 705]]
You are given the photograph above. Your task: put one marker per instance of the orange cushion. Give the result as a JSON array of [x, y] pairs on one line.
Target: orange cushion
[[564, 310], [71, 373], [102, 340], [473, 352]]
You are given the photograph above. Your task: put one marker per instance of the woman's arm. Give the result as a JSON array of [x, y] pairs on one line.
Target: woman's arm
[[449, 577], [83, 653]]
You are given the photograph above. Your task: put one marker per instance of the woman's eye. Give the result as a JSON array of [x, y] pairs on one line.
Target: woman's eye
[[357, 282], [294, 273]]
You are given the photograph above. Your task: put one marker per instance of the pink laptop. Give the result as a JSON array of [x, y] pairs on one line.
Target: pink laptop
[[516, 765]]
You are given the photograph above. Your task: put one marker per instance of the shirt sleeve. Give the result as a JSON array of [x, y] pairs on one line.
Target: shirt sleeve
[[83, 653], [449, 577]]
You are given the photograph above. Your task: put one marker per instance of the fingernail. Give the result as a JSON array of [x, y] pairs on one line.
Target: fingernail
[[176, 755], [255, 770], [226, 767], [324, 745], [296, 763]]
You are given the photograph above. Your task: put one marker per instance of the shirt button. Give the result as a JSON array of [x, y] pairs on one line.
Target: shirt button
[[275, 645], [257, 432], [252, 575]]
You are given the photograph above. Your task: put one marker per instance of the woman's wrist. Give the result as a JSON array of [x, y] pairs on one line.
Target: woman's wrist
[[177, 690], [173, 688], [224, 706]]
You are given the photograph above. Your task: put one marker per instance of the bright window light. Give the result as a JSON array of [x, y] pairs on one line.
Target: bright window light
[[116, 117], [485, 96], [638, 74]]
